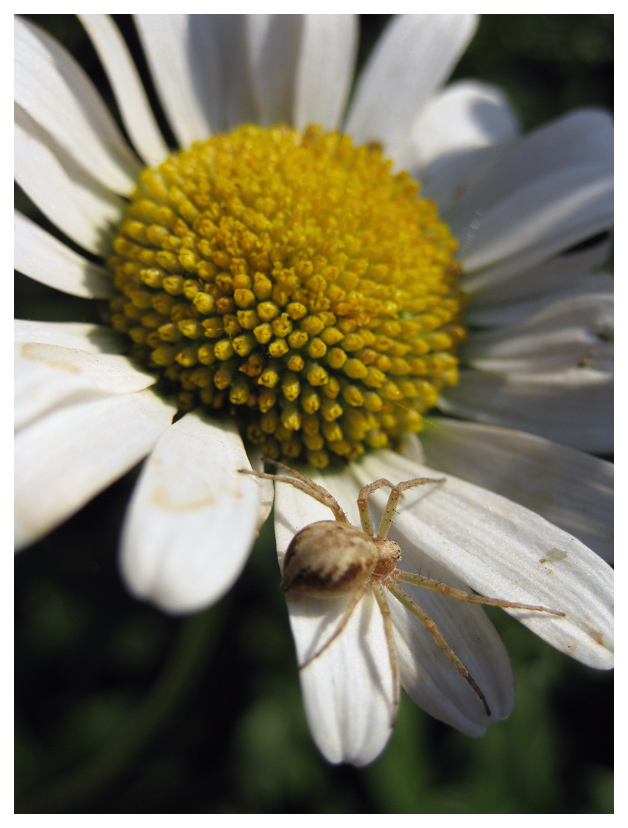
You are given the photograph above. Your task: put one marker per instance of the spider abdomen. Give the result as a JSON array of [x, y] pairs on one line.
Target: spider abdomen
[[328, 558]]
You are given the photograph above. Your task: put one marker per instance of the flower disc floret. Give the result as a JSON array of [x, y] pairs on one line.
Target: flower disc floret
[[293, 281]]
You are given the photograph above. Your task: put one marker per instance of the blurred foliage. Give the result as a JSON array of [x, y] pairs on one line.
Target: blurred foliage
[[120, 709]]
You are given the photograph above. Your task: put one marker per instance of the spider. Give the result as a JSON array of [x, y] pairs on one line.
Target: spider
[[331, 558]]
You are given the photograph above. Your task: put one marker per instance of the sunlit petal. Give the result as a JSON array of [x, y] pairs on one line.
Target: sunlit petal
[[66, 458], [49, 375], [571, 489], [127, 87], [80, 207], [413, 57], [49, 261], [55, 91], [192, 519], [574, 406]]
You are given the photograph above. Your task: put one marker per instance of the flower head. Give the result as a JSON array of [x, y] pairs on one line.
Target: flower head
[[286, 293], [293, 280]]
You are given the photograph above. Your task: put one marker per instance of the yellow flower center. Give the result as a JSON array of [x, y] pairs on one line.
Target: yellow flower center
[[292, 281]]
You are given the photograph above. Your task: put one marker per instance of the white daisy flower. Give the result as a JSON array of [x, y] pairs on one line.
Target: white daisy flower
[[287, 277]]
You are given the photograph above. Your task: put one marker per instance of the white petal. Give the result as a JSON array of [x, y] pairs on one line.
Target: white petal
[[301, 66], [569, 488], [560, 175], [49, 261], [64, 459], [504, 295], [49, 375], [509, 313], [505, 551], [217, 73], [427, 674], [449, 177], [85, 336], [507, 284], [463, 117], [273, 50], [324, 71], [348, 688], [192, 519], [574, 407], [178, 72], [544, 217], [575, 331], [55, 91], [580, 139], [127, 87], [229, 79], [414, 56], [79, 206]]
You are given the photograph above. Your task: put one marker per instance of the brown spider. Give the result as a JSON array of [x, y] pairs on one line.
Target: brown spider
[[332, 557]]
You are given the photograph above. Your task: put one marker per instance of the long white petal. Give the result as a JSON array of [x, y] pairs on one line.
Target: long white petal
[[78, 205], [427, 674], [64, 459], [413, 57], [301, 66], [546, 216], [127, 87], [49, 261], [231, 100], [559, 176], [325, 68], [503, 295], [348, 689], [575, 331], [82, 335], [505, 551], [192, 519], [463, 117], [55, 91], [49, 375], [491, 314], [506, 283], [178, 72], [273, 42], [580, 139], [569, 488], [574, 407]]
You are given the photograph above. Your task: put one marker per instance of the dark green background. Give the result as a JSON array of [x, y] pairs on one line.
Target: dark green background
[[120, 709]]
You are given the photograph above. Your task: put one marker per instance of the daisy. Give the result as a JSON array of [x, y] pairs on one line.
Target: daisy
[[304, 291]]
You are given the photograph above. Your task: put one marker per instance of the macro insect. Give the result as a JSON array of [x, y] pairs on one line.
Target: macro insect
[[331, 558]]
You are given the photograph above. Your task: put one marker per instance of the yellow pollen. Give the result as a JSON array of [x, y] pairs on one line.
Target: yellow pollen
[[294, 282]]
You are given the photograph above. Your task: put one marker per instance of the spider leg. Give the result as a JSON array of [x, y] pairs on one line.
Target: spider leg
[[365, 514], [460, 595], [355, 598], [380, 597], [421, 616], [389, 512], [303, 484]]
